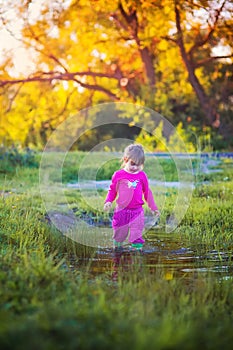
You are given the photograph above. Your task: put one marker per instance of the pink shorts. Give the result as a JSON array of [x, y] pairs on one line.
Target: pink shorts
[[128, 221]]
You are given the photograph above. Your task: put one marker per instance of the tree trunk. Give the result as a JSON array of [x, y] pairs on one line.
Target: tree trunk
[[132, 22], [205, 101]]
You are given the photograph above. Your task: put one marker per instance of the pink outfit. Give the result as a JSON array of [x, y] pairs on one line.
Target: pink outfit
[[128, 220], [129, 189]]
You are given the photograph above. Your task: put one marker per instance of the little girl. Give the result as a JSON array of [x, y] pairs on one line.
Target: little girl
[[130, 185]]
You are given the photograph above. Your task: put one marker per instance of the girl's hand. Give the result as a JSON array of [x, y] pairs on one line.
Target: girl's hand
[[107, 206], [155, 212]]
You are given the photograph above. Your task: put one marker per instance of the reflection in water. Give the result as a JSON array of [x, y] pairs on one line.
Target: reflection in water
[[125, 261], [165, 256]]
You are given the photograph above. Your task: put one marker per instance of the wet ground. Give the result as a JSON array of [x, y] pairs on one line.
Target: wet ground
[[164, 255], [167, 255]]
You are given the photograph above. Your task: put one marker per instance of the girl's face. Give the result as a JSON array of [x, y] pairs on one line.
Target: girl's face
[[132, 167]]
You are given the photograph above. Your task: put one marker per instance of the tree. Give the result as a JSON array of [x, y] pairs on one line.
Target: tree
[[158, 54], [197, 51]]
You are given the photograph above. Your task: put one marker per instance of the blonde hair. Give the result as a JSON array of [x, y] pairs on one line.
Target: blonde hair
[[135, 153]]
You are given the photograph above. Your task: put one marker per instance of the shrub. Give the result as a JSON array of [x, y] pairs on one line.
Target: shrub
[[13, 158]]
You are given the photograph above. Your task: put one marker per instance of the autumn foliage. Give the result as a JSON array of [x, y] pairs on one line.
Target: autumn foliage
[[172, 56]]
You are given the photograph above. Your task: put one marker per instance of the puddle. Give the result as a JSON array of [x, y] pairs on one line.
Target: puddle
[[168, 256], [164, 255]]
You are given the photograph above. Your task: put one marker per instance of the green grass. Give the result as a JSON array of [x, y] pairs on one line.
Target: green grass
[[101, 166], [47, 304]]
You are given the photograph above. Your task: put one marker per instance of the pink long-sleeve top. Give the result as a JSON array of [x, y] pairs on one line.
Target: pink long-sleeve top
[[130, 189]]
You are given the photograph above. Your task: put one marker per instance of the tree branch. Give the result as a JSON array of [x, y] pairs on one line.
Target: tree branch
[[56, 75], [97, 88], [168, 38], [13, 98], [209, 34], [50, 76], [66, 103], [118, 22], [210, 59]]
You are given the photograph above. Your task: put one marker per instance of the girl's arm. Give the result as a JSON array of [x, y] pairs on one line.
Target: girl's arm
[[148, 195], [112, 193]]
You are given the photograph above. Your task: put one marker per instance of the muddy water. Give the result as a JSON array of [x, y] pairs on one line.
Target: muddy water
[[168, 256], [164, 255]]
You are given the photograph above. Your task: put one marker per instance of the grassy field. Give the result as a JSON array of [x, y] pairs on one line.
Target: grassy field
[[46, 304]]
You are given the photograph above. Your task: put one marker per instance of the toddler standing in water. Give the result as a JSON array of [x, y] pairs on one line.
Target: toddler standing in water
[[130, 185]]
